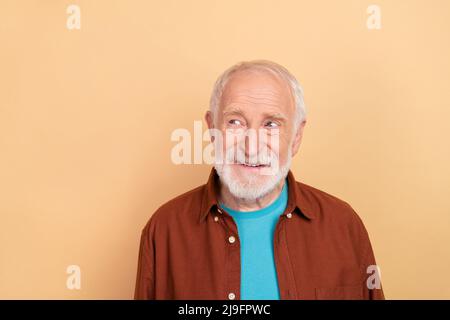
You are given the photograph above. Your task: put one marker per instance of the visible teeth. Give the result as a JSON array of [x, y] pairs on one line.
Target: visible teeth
[[251, 165]]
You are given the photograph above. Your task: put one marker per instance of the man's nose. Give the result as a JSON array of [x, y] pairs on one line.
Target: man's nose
[[252, 142]]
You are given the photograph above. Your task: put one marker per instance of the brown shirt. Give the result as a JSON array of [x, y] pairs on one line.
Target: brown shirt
[[321, 249]]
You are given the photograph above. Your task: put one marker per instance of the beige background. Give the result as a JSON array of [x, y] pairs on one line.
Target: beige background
[[86, 117]]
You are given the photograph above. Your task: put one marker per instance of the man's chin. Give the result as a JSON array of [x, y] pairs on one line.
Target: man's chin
[[248, 183], [249, 177]]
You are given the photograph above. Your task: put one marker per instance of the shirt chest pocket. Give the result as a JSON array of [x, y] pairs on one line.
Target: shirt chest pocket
[[340, 293]]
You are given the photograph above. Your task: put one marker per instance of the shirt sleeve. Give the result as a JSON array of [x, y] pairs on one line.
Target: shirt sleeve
[[145, 282], [372, 288]]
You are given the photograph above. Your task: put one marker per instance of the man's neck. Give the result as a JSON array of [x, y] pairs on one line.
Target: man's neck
[[240, 204]]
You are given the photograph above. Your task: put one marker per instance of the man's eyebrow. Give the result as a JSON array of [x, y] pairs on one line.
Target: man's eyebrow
[[233, 111], [277, 116]]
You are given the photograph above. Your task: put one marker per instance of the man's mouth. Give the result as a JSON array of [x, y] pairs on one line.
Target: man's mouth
[[256, 165]]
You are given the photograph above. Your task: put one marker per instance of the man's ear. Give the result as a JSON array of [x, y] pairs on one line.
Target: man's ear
[[209, 119], [210, 122], [298, 137]]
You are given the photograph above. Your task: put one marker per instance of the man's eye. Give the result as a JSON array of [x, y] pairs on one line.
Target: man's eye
[[235, 122], [271, 124]]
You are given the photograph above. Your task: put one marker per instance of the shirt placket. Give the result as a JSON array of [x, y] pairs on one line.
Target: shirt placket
[[285, 274], [233, 261]]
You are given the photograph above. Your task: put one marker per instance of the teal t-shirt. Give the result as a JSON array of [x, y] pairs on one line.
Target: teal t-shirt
[[256, 231]]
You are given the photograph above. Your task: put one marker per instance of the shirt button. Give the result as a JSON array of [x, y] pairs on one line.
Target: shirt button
[[289, 215], [216, 218], [231, 296], [231, 239]]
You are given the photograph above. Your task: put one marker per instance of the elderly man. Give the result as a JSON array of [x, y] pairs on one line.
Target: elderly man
[[252, 231]]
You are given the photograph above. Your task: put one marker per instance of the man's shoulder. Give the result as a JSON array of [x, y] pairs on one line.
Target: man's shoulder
[[314, 194], [184, 201], [176, 209], [334, 214], [327, 206]]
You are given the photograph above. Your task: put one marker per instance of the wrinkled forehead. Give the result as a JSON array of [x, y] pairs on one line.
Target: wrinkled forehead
[[257, 88]]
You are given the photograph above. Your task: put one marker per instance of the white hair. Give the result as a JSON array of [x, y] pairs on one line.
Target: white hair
[[265, 66]]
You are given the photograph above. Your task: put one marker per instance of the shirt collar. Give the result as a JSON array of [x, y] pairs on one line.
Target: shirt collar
[[297, 198]]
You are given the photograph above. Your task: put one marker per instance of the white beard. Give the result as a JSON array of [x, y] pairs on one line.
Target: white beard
[[251, 188]]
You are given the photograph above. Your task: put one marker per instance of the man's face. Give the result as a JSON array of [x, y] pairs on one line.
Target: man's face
[[263, 104]]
